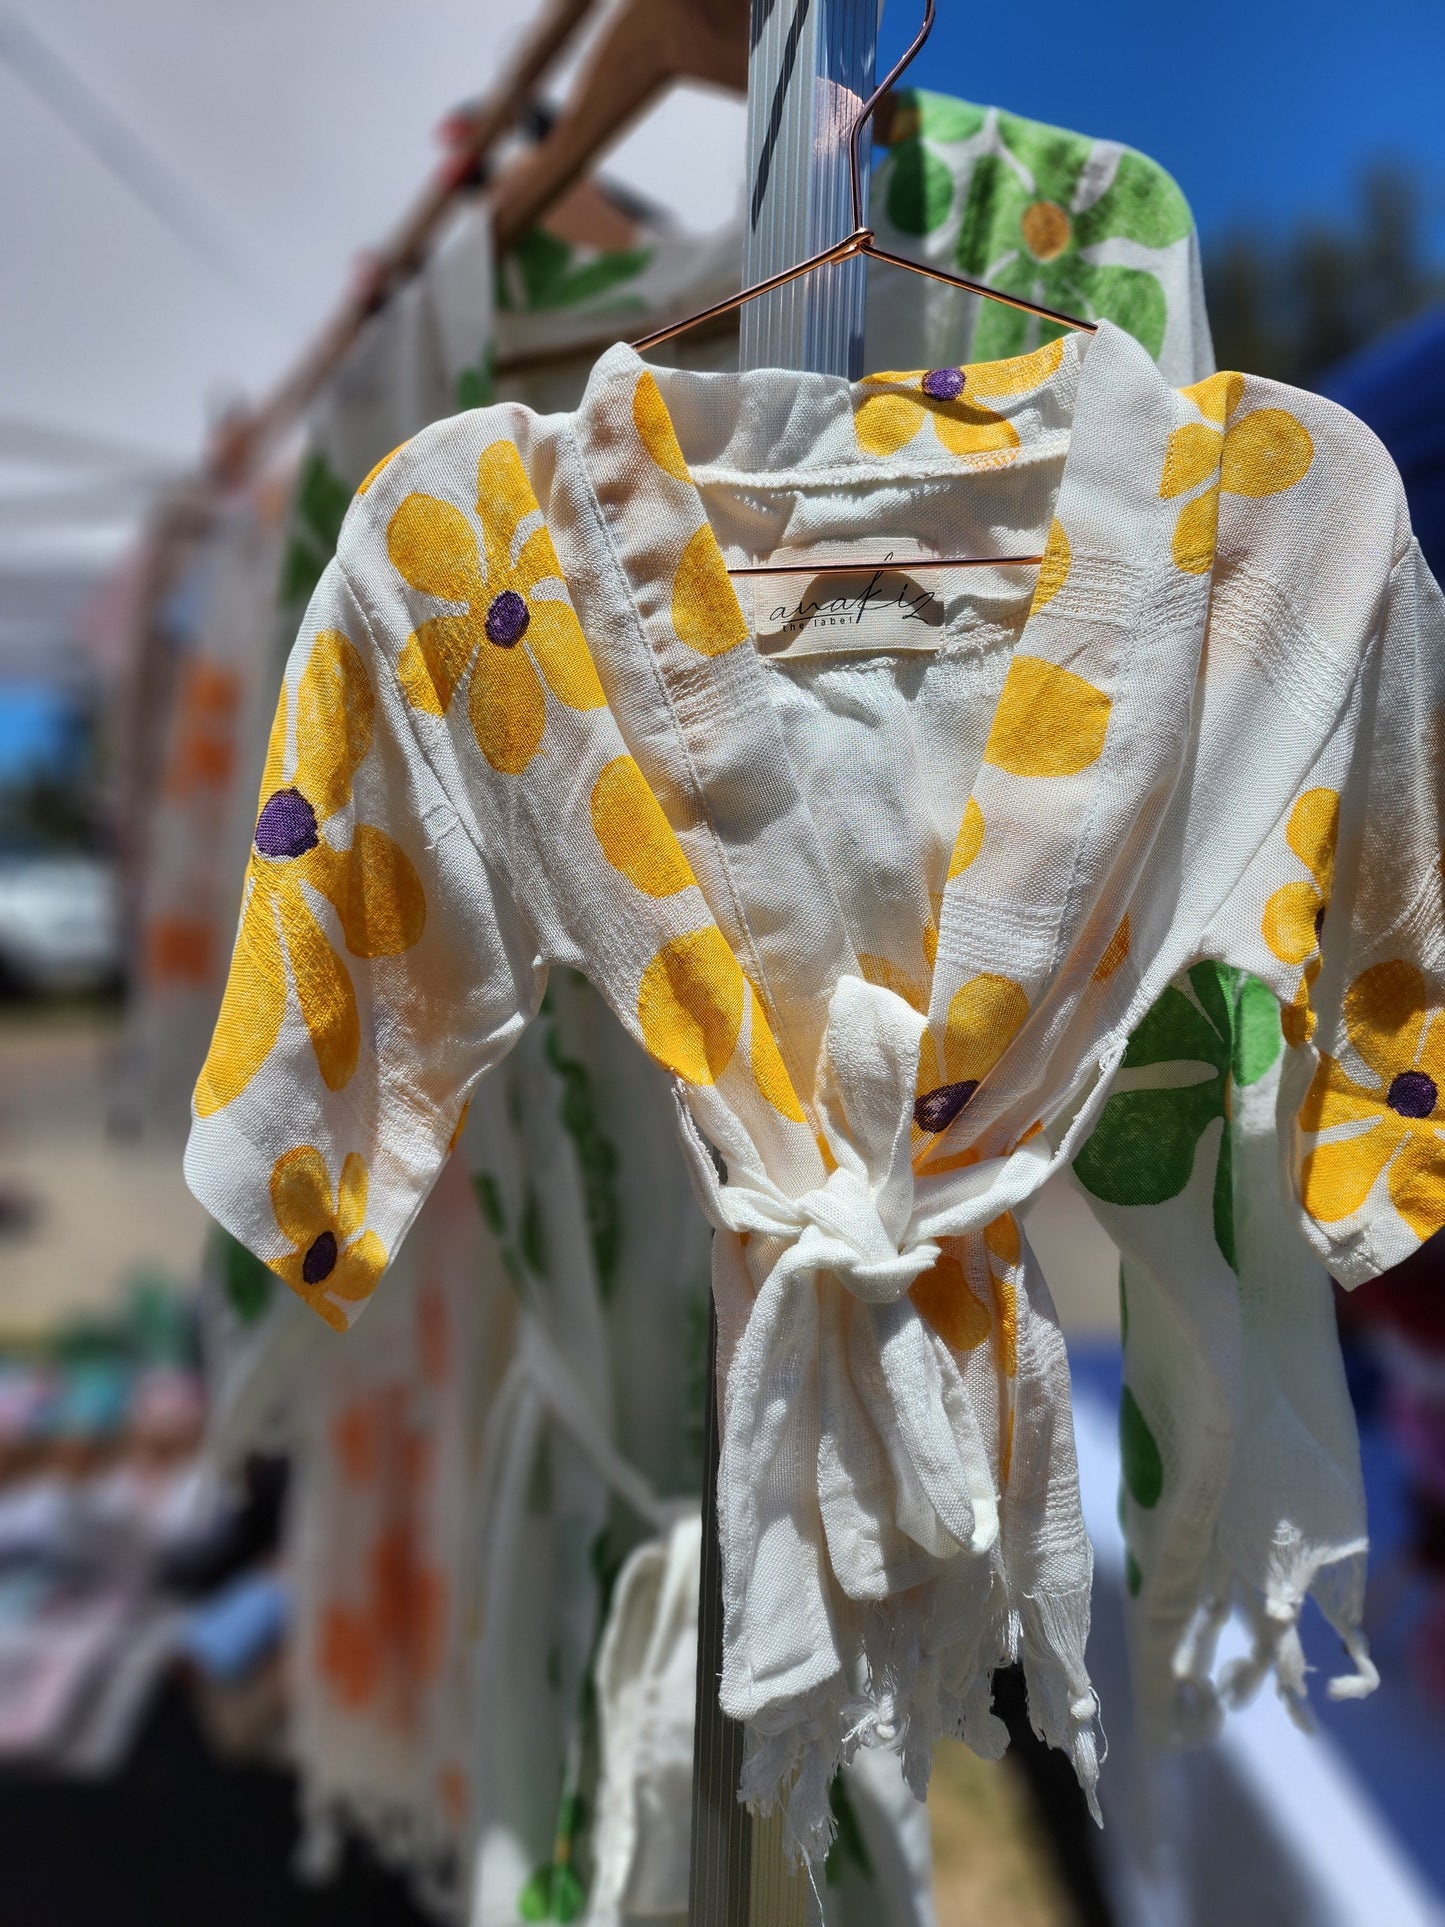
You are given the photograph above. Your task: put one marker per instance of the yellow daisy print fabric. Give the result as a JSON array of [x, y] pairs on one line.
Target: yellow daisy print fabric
[[333, 1255], [1260, 452], [369, 883], [510, 637], [1294, 915], [1393, 1111], [910, 928]]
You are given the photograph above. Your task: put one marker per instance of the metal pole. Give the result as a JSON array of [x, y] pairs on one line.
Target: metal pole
[[810, 68]]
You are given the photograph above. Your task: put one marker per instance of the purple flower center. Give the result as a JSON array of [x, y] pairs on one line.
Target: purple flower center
[[943, 384], [507, 619], [1413, 1094], [936, 1110], [286, 826], [320, 1259]]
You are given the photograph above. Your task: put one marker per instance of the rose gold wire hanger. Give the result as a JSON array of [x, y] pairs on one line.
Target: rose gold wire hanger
[[861, 241]]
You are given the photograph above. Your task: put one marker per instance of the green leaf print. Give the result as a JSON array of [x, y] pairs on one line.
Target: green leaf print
[[1143, 1148], [1139, 1454], [1028, 223], [920, 190], [317, 512], [542, 271], [848, 1842], [596, 1154], [247, 1283]]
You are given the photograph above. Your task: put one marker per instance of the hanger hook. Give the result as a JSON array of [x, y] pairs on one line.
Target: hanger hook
[[865, 113]]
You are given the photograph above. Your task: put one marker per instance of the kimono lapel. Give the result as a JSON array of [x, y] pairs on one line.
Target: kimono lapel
[[772, 895], [1087, 745]]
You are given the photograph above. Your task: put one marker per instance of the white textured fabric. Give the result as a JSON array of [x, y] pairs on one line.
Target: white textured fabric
[[854, 902]]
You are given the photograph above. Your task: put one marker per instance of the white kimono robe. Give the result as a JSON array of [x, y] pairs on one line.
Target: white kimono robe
[[889, 914]]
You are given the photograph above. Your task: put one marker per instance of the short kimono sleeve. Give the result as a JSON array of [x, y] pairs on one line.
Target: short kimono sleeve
[[381, 966], [1367, 1078]]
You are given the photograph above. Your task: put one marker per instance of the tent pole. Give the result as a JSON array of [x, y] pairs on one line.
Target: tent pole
[[810, 67]]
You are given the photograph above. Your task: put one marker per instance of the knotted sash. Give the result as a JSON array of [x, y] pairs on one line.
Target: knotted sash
[[859, 1463]]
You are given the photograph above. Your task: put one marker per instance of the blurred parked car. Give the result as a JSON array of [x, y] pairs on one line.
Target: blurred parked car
[[59, 923]]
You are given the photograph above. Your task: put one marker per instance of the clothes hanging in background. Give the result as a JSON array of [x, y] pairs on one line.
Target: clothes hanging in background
[[1084, 225]]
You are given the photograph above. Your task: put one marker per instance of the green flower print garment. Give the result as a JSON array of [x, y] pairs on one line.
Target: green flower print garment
[[1082, 225], [1222, 1432]]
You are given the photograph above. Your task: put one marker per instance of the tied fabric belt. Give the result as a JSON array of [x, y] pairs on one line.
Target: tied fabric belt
[[851, 1372]]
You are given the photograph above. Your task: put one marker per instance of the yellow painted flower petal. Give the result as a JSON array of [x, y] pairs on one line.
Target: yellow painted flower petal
[[301, 1196], [1431, 1058], [886, 423], [1288, 924], [434, 659], [705, 611], [376, 892], [507, 708], [1049, 722], [1054, 569], [1312, 833], [968, 842], [1297, 1019], [1114, 953], [984, 1016], [372, 473], [1001, 1239], [930, 932], [357, 1269], [1337, 1178], [770, 1073], [930, 1070], [964, 429], [536, 562], [942, 1297], [654, 426], [504, 498], [273, 774], [690, 1006], [1006, 1302], [252, 1008], [1264, 452], [1195, 533], [1385, 1010], [323, 990], [635, 835], [433, 547], [1417, 1182], [351, 1197], [555, 638], [1217, 396], [334, 720], [887, 976], [1192, 456], [1335, 1098], [1015, 376]]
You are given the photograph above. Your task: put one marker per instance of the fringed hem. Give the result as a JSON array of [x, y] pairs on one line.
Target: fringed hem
[[912, 1699], [1334, 1577], [425, 1854]]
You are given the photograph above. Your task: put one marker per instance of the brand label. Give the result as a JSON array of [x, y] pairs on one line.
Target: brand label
[[848, 611]]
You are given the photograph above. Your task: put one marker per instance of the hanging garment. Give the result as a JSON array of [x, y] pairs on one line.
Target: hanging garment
[[189, 830], [890, 918], [1083, 225]]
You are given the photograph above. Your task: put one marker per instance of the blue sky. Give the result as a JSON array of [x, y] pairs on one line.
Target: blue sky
[[1263, 110]]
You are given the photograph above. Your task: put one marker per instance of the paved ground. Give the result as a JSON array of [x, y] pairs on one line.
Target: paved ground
[[82, 1211]]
